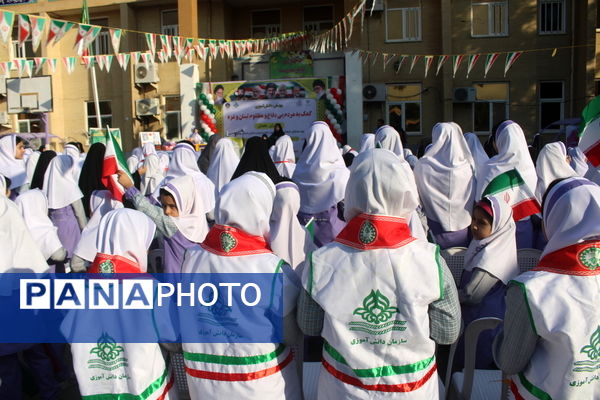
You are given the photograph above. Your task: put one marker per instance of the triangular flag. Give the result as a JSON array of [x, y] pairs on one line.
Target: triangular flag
[[58, 29], [52, 62], [115, 38], [82, 32], [441, 61], [414, 62], [69, 63], [222, 48], [39, 63], [37, 29], [88, 61], [91, 36], [471, 62], [123, 60], [166, 45], [147, 58], [136, 57], [100, 61], [213, 48], [151, 41], [161, 56], [114, 160], [387, 58], [29, 67], [456, 61], [108, 61], [7, 18], [401, 61], [21, 66], [490, 59], [10, 65], [24, 28], [510, 60], [3, 69], [428, 62]]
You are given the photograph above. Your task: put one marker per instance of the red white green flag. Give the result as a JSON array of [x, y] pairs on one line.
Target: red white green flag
[[490, 59], [151, 41], [58, 30], [123, 59], [165, 41], [37, 29], [456, 61], [52, 63], [471, 62], [24, 28], [589, 138], [69, 63], [510, 187], [441, 61], [7, 19], [115, 39], [401, 62], [428, 63], [82, 32], [413, 62], [114, 160], [511, 58], [39, 63]]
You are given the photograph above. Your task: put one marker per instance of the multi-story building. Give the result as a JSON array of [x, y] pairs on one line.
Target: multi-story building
[[552, 80]]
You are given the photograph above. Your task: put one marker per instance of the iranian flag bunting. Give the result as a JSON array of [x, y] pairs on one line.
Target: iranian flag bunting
[[510, 187], [114, 160], [441, 61], [24, 29], [7, 18], [589, 141], [37, 29], [490, 59], [115, 39], [511, 58], [471, 62], [413, 63], [52, 62], [456, 61], [428, 63]]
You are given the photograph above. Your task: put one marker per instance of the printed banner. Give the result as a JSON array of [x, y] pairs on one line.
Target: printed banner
[[291, 64], [99, 135]]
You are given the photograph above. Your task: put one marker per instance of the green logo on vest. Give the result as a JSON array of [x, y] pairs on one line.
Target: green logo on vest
[[593, 352], [108, 353], [367, 233], [590, 258], [228, 242], [106, 267], [377, 313]]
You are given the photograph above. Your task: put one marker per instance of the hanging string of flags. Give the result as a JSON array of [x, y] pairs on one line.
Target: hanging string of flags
[[166, 47]]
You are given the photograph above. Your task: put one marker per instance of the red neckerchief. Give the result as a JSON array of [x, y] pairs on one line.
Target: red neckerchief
[[281, 162], [109, 264], [368, 232], [582, 259], [226, 240]]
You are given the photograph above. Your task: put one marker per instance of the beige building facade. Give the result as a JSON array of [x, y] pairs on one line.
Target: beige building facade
[[552, 80]]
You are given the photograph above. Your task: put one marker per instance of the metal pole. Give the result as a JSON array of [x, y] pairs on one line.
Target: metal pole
[[95, 92]]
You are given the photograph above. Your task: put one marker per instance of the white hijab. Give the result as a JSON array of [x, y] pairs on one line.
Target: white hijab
[[132, 164], [153, 176], [367, 141], [571, 213], [256, 192], [191, 221], [283, 156], [164, 161], [479, 155], [496, 254], [321, 173], [410, 158], [10, 167], [148, 149], [512, 154], [73, 151], [126, 233], [2, 186], [378, 186], [183, 162], [34, 209], [60, 186], [101, 202], [223, 163], [445, 178], [31, 164], [578, 160], [551, 165], [20, 253], [289, 240]]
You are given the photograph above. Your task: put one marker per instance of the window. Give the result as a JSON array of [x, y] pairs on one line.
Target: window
[[489, 18], [490, 106], [105, 114], [552, 16], [169, 23], [402, 20], [265, 23], [404, 107], [551, 103], [102, 43], [29, 122], [318, 18], [172, 121]]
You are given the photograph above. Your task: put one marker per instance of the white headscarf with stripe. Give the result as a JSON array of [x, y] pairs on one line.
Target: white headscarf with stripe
[[496, 254], [283, 156], [101, 202], [512, 154], [445, 178], [551, 165], [223, 162], [191, 221], [60, 186], [10, 167], [34, 209], [126, 233], [571, 212], [321, 173]]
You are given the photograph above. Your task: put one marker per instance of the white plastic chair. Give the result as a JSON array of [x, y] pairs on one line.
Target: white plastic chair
[[527, 259], [156, 261], [477, 384], [455, 259]]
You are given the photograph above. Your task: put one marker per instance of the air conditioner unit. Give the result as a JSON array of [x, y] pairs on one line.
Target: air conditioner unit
[[146, 73], [464, 95], [4, 120], [147, 107], [373, 5], [374, 92], [3, 85]]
